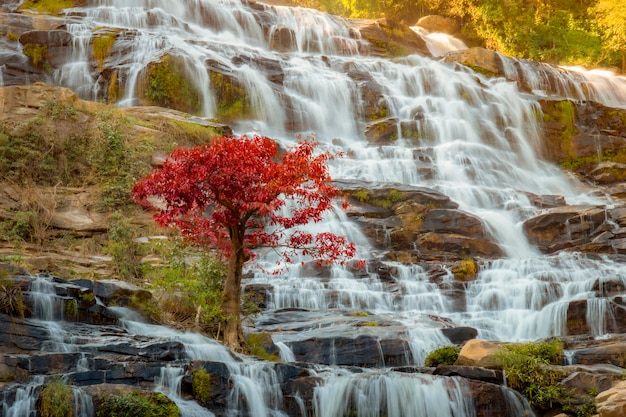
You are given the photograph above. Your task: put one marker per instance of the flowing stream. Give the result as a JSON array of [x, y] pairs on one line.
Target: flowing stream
[[477, 143]]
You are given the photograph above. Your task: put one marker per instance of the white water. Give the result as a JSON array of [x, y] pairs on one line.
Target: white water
[[438, 43]]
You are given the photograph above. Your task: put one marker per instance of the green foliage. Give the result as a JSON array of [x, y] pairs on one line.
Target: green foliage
[[123, 248], [137, 404], [56, 399], [465, 269], [45, 150], [193, 284], [233, 101], [527, 371], [38, 54], [51, 6], [258, 343], [70, 309], [168, 85], [102, 46], [610, 16], [115, 163], [201, 384], [445, 355]]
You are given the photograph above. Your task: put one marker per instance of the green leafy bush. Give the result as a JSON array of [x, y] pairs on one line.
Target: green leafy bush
[[527, 368], [56, 399], [445, 355], [137, 404], [201, 383]]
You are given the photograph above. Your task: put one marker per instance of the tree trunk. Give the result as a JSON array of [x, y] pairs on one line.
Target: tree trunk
[[231, 302]]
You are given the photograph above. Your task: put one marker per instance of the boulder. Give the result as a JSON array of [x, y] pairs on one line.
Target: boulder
[[480, 353], [282, 39], [363, 350], [389, 38], [453, 221], [480, 60], [457, 246], [115, 291], [564, 227], [612, 402], [436, 23], [48, 38], [382, 131]]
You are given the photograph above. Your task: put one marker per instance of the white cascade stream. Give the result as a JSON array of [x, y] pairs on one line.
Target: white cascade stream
[[477, 142]]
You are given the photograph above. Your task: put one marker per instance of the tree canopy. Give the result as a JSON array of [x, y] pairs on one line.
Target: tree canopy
[[239, 193], [574, 32]]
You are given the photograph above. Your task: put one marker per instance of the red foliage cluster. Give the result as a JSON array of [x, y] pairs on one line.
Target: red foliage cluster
[[242, 184]]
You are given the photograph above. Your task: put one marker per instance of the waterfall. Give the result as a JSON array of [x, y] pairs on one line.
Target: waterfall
[[439, 43], [392, 394]]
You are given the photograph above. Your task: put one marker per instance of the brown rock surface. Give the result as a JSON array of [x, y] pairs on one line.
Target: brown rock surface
[[478, 353], [612, 402]]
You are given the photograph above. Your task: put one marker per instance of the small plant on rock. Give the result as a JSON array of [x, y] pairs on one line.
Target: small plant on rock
[[56, 399], [445, 355], [201, 384]]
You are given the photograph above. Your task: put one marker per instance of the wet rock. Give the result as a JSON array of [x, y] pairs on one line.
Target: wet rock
[[382, 131], [491, 400], [493, 376], [459, 335], [457, 246], [364, 350], [608, 172], [46, 37], [614, 354], [283, 39], [115, 291], [389, 38], [258, 294], [454, 222], [564, 227]]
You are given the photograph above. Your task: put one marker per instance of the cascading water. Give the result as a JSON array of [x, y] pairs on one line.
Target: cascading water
[[479, 137]]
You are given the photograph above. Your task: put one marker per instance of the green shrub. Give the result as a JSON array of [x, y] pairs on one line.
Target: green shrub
[[56, 399], [528, 371], [192, 284], [102, 47], [137, 404], [123, 248], [52, 6], [445, 355], [257, 344], [201, 383]]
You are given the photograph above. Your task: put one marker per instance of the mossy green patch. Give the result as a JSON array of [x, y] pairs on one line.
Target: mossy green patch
[[51, 6], [445, 355], [233, 101], [38, 54], [168, 85], [102, 46], [137, 404], [201, 384], [564, 113]]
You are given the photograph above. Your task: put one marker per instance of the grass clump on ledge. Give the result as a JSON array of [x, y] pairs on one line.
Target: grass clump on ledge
[[445, 355], [528, 371]]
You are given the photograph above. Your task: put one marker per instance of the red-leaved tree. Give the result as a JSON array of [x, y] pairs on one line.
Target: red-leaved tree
[[230, 195]]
